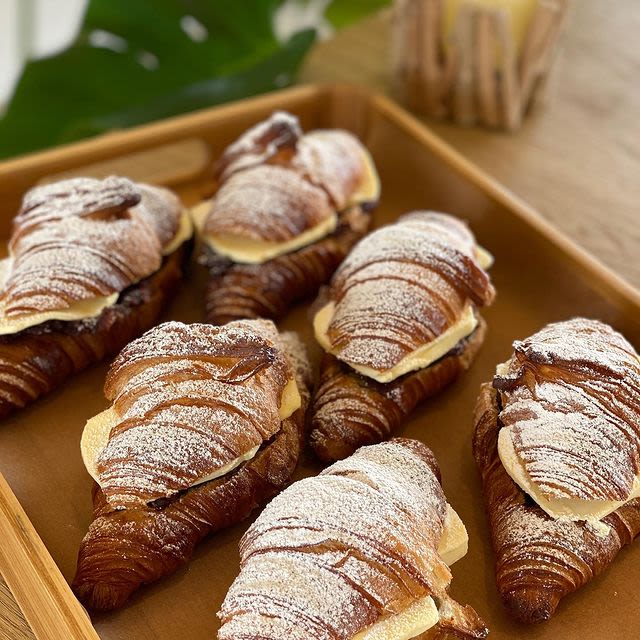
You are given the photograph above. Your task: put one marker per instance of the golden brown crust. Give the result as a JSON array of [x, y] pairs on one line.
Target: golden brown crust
[[336, 552], [333, 160], [402, 287], [570, 405], [539, 560], [273, 184], [273, 140], [268, 290], [350, 410], [83, 238], [190, 400], [266, 203], [35, 361], [125, 549]]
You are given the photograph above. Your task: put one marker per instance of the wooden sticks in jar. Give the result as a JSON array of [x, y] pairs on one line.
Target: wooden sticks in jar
[[479, 69]]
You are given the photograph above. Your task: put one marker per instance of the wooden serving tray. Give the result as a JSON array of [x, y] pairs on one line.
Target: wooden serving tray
[[540, 277]]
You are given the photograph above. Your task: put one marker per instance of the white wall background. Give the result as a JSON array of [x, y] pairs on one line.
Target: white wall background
[[33, 27]]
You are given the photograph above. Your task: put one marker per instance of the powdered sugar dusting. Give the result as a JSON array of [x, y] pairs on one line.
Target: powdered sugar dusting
[[267, 203], [83, 238], [402, 286], [260, 144], [332, 160], [333, 553], [192, 399], [539, 559], [276, 183], [571, 399]]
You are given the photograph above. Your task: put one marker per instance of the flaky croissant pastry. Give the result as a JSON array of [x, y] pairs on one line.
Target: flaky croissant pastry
[[360, 552], [205, 425], [557, 442], [398, 323], [286, 211], [91, 265]]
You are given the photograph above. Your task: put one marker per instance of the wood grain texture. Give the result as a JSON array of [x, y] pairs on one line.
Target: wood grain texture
[[35, 584], [577, 157], [13, 626]]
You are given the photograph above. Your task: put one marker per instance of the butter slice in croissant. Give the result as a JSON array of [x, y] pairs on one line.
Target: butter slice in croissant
[[80, 238], [454, 542], [591, 511], [279, 197], [422, 357], [417, 618], [557, 442], [354, 553], [95, 435], [423, 614], [251, 251], [568, 396], [383, 318], [190, 404]]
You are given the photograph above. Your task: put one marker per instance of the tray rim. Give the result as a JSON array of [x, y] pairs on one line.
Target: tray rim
[[129, 140], [26, 540]]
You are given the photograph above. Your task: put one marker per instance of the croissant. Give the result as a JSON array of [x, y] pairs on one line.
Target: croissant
[[557, 442], [399, 322], [287, 209], [360, 552], [205, 424], [91, 265]]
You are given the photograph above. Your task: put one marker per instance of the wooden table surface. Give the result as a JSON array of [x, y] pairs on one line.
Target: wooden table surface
[[577, 158]]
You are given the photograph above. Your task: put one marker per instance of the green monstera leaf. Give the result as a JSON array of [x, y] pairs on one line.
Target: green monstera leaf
[[134, 61]]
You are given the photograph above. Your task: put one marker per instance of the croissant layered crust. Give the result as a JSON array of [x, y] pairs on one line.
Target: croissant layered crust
[[332, 160], [287, 209], [267, 203], [219, 401], [92, 264], [81, 239], [338, 553], [38, 359], [402, 287], [568, 402], [399, 322], [284, 189], [571, 407], [269, 289], [350, 410]]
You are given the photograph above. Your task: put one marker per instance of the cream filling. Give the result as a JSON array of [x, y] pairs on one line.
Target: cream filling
[[249, 251], [290, 400], [454, 542], [484, 258], [83, 309], [422, 614], [369, 189], [419, 359], [184, 232], [575, 509], [97, 430]]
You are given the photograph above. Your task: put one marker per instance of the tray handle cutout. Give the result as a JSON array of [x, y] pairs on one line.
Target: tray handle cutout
[[167, 164]]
